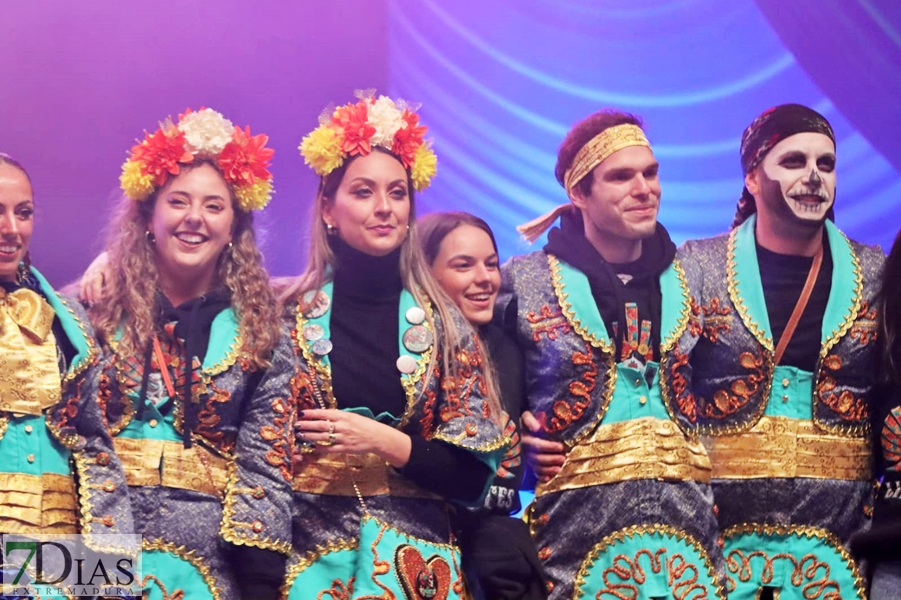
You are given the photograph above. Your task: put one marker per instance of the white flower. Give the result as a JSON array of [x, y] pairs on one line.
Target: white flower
[[206, 132], [386, 118]]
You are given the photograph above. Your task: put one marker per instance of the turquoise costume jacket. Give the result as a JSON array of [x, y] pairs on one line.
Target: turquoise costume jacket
[[232, 486], [791, 464], [69, 440], [358, 523], [633, 485]]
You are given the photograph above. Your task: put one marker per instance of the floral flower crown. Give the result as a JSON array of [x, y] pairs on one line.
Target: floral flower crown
[[353, 129], [242, 158]]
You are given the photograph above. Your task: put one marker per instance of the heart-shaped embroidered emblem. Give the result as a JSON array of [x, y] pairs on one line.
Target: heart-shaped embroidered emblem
[[422, 579]]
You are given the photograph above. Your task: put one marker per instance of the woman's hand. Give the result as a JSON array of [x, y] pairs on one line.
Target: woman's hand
[[543, 456], [339, 431], [91, 286]]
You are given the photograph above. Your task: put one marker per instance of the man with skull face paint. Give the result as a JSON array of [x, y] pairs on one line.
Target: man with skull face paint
[[777, 364]]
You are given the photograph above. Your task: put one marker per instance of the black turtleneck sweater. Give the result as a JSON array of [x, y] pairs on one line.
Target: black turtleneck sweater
[[783, 277], [611, 294], [364, 326]]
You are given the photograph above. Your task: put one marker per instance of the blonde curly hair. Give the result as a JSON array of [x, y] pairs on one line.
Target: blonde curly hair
[[133, 281]]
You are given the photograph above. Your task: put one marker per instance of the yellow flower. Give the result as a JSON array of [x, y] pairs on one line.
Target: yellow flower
[[425, 166], [256, 196], [134, 182], [321, 149]]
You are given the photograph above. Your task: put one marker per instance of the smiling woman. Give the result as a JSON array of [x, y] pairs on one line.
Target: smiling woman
[[398, 416], [50, 421], [196, 369], [499, 558]]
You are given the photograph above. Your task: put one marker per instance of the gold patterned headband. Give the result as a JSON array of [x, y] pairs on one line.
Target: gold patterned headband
[[596, 151], [599, 148]]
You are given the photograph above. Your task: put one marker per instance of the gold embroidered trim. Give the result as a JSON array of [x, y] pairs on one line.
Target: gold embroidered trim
[[190, 556], [324, 371], [566, 306], [93, 351], [86, 489], [684, 314], [783, 447], [759, 335], [409, 382], [646, 448], [334, 474], [149, 462], [630, 532], [230, 358], [606, 348], [851, 315], [240, 532], [835, 336], [302, 563], [732, 278], [826, 536], [4, 423], [37, 504], [497, 444], [321, 370], [670, 343]]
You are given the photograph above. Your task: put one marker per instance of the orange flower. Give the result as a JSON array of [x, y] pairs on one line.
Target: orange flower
[[159, 155], [244, 159], [408, 139], [353, 120]]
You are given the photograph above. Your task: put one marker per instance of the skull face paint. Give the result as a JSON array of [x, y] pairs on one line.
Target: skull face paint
[[796, 180]]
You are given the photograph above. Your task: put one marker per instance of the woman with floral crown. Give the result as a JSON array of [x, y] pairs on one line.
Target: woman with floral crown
[[58, 473], [396, 415], [196, 374]]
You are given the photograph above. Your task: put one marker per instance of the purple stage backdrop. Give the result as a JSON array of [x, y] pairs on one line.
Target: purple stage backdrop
[[81, 81], [500, 82]]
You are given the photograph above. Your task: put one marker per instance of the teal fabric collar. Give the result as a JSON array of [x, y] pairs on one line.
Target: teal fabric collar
[[746, 288], [575, 298], [73, 328]]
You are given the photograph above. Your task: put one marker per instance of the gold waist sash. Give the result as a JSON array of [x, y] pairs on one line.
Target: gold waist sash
[[170, 464], [783, 447], [37, 504], [645, 448], [335, 474]]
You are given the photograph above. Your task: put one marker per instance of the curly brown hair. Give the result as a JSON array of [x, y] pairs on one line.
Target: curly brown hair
[[133, 282]]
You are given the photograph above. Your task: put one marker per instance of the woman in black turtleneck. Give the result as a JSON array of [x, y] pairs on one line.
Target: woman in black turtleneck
[[499, 557], [397, 416], [196, 373]]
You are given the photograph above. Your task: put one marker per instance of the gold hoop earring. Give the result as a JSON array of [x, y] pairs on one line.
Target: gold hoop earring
[[331, 229], [150, 237]]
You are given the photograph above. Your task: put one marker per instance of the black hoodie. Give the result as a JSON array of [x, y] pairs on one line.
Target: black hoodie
[[569, 244]]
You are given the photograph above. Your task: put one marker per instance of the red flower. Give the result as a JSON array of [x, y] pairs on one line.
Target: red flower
[[408, 139], [353, 120], [159, 155], [244, 159]]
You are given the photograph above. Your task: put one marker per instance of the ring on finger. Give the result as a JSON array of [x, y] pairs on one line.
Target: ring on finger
[[331, 427]]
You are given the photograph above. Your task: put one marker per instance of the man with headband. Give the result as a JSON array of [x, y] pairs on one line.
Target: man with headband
[[776, 366], [629, 509]]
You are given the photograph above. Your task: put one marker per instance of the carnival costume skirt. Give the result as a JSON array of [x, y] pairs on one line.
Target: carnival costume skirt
[[638, 539]]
